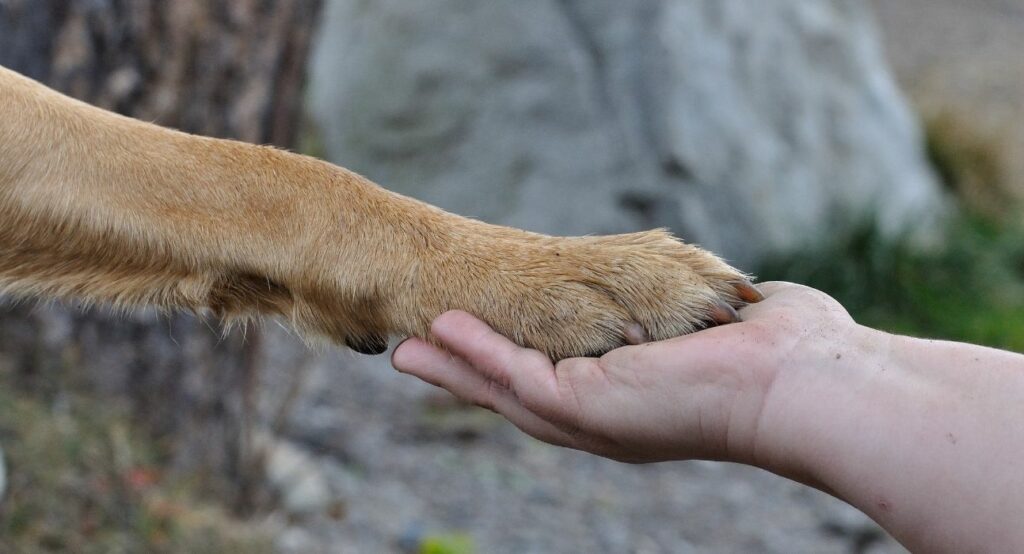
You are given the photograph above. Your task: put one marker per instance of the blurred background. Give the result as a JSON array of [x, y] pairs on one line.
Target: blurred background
[[870, 149]]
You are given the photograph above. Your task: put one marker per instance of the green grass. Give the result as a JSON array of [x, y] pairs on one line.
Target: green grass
[[972, 290], [82, 479], [455, 543]]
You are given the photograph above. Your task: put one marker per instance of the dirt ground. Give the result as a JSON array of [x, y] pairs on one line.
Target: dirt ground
[[964, 57]]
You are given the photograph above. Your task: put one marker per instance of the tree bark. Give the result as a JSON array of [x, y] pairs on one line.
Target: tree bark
[[224, 68]]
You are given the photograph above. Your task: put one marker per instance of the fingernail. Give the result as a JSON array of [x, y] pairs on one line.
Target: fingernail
[[371, 345]]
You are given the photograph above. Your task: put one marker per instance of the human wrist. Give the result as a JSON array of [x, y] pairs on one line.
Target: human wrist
[[879, 428], [914, 441], [822, 383]]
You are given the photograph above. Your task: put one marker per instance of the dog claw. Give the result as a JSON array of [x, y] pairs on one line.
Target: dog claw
[[723, 314], [748, 292], [636, 334], [371, 345]]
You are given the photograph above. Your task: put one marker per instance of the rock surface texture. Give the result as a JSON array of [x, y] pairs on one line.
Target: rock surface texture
[[748, 127]]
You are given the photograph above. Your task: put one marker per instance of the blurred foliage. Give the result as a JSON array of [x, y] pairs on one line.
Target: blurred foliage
[[310, 141], [455, 543], [970, 163], [970, 289], [82, 479]]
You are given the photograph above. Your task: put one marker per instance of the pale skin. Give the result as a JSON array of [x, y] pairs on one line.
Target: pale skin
[[923, 436]]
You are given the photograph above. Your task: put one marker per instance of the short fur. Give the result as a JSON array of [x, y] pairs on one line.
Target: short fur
[[104, 208]]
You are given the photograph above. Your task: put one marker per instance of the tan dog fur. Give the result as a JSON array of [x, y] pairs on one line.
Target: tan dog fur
[[103, 208]]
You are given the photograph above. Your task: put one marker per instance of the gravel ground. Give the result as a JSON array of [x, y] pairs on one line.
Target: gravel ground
[[403, 462]]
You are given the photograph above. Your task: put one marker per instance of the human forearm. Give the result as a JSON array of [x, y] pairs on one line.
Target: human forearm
[[923, 436]]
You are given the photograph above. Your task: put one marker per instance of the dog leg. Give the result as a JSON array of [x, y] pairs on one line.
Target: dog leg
[[103, 208]]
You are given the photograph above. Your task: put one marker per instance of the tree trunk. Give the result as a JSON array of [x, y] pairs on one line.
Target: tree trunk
[[225, 68]]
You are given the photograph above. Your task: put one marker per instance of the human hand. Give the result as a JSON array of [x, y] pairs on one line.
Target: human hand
[[918, 434], [704, 395]]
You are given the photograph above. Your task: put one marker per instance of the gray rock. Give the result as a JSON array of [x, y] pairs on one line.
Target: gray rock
[[749, 127], [295, 540], [296, 475]]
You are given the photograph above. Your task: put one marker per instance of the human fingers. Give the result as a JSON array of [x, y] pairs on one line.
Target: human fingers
[[528, 372], [439, 368], [792, 298], [769, 288]]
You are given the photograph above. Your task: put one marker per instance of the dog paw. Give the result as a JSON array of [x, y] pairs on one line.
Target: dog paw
[[584, 296]]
